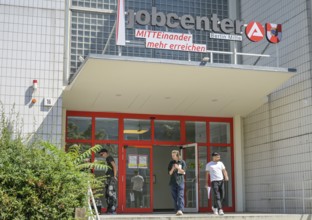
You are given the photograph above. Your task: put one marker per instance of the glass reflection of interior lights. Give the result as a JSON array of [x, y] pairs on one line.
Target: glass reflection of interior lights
[[136, 131]]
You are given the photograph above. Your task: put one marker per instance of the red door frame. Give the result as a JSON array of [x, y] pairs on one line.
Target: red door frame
[[123, 170], [152, 142]]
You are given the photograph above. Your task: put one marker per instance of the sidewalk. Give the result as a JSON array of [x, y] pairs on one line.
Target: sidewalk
[[200, 216]]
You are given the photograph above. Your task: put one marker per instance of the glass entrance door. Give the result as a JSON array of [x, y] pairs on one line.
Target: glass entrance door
[[138, 187], [189, 154]]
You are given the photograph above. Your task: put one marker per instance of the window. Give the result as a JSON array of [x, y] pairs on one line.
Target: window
[[135, 129], [220, 132], [106, 129], [167, 130], [79, 128], [196, 132]]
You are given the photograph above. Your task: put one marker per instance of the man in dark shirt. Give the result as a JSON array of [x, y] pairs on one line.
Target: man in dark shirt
[[176, 170], [110, 187]]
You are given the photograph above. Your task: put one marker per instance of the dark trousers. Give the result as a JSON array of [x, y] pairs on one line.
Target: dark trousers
[[111, 195], [218, 193], [177, 192], [138, 195]]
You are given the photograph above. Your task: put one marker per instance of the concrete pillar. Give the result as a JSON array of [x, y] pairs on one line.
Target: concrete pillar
[[239, 164]]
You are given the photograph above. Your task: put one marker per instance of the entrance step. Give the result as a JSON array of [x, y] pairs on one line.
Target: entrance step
[[234, 216]]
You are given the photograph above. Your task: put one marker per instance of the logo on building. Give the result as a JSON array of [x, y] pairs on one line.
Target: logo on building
[[254, 31], [225, 29], [273, 32]]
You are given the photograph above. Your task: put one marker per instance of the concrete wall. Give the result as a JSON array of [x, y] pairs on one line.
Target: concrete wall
[[278, 135], [32, 47]]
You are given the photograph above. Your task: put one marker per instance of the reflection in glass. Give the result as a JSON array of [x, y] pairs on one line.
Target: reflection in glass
[[225, 153], [167, 130], [190, 177], [79, 128], [106, 129], [220, 132], [202, 158], [138, 178], [136, 129], [82, 146], [195, 132], [113, 151]]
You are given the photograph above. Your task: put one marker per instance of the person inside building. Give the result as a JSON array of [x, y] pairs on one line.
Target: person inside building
[[218, 175], [137, 188], [176, 170], [111, 182]]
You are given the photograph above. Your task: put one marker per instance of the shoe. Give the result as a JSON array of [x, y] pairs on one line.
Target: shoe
[[111, 213], [215, 211], [221, 212], [179, 212]]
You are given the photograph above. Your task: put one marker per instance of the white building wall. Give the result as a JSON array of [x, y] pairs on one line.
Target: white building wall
[[278, 135], [31, 47]]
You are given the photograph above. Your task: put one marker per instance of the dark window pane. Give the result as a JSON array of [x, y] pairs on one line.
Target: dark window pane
[[196, 132], [220, 132], [79, 128], [106, 129], [167, 130]]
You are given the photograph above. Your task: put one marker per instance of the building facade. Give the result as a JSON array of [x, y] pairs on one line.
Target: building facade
[[140, 103], [32, 48], [277, 149]]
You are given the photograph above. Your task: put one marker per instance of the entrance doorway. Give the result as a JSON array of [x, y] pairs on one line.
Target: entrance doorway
[[138, 188], [142, 144], [162, 194]]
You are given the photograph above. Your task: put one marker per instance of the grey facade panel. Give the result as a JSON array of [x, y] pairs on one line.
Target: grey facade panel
[[278, 143]]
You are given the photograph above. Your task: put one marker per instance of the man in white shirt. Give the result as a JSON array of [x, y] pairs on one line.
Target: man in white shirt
[[218, 175], [137, 188]]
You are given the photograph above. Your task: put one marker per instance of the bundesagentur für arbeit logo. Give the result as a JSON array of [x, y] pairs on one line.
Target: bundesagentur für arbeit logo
[[225, 29]]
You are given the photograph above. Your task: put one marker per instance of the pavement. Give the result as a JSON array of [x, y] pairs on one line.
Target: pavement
[[202, 216]]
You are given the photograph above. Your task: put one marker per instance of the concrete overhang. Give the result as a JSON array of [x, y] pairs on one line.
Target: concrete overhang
[[153, 86]]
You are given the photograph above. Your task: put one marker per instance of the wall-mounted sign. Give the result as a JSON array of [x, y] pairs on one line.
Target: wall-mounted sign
[[225, 29], [143, 161], [254, 31], [169, 41], [132, 161], [187, 22], [273, 32], [137, 161]]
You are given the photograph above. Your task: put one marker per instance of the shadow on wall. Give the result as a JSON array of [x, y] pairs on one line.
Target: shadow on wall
[[28, 97], [50, 128]]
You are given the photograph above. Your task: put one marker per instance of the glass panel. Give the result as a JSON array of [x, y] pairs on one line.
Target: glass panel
[[135, 129], [79, 128], [106, 129], [220, 132], [225, 153], [190, 177], [202, 158], [167, 130], [102, 24], [83, 147], [196, 132], [138, 178], [113, 151]]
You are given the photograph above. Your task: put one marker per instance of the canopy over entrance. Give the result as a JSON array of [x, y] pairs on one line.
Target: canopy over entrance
[[151, 86]]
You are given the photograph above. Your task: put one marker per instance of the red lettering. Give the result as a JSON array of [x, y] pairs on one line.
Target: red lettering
[[140, 33]]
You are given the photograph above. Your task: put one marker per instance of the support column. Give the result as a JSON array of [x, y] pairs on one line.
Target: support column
[[239, 164]]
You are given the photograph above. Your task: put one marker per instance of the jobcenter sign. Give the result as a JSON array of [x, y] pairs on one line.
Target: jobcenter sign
[[188, 22], [225, 29]]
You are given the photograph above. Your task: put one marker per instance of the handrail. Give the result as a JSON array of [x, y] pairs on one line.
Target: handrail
[[90, 196]]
